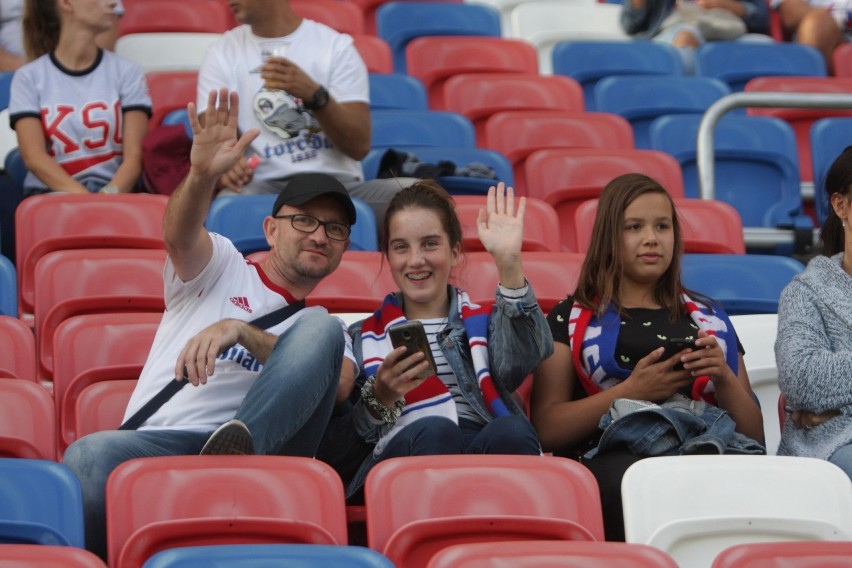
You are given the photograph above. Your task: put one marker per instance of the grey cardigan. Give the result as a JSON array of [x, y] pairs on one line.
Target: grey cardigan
[[813, 351]]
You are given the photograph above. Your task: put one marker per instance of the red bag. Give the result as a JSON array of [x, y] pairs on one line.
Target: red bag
[[165, 158]]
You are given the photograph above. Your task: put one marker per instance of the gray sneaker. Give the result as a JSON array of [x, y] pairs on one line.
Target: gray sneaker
[[231, 438]]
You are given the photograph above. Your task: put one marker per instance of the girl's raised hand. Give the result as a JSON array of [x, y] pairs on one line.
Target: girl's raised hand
[[501, 232]]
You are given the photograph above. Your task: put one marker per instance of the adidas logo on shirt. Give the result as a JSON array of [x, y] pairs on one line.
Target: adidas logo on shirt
[[241, 302]]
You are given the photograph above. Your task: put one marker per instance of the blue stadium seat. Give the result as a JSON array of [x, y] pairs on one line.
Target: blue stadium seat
[[400, 22], [240, 218], [5, 87], [641, 98], [394, 90], [588, 61], [14, 165], [736, 62], [268, 555], [8, 288], [11, 195], [755, 164], [460, 156], [741, 283], [399, 127], [829, 137], [41, 502]]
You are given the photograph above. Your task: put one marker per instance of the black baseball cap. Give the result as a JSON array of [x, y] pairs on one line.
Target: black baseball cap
[[301, 188]]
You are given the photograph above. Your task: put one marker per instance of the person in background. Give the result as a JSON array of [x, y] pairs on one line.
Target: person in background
[[482, 354], [823, 24], [609, 345], [12, 54], [687, 25], [80, 111], [813, 348], [304, 86]]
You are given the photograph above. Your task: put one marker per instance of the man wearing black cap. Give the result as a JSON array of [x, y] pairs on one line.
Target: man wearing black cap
[[259, 388]]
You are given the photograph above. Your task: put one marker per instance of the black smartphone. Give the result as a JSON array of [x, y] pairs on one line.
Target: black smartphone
[[674, 346], [413, 336]]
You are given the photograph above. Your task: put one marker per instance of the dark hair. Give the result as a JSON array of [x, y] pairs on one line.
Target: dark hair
[[424, 194], [41, 27], [601, 275], [838, 180]]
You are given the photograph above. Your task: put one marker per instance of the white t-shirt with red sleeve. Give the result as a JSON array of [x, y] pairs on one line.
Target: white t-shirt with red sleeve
[[228, 287]]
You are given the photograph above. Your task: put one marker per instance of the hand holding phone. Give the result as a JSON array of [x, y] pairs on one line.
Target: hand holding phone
[[413, 336], [674, 346]]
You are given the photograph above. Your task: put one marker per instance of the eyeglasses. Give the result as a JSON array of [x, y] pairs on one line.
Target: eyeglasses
[[307, 224]]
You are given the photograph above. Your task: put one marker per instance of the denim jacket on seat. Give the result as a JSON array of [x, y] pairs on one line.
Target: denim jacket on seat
[[678, 426]]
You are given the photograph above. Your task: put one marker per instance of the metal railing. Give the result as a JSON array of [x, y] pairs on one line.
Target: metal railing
[[755, 236]]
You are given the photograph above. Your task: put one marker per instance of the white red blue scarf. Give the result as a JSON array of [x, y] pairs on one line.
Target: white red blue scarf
[[593, 343], [431, 397]]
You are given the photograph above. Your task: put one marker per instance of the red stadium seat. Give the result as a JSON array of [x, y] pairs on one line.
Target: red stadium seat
[[220, 500], [17, 349], [82, 281], [541, 226], [45, 223], [434, 59], [27, 421], [375, 52], [122, 342], [170, 91], [345, 17], [419, 505], [101, 405], [843, 60], [359, 284], [552, 275], [47, 556], [479, 95], [543, 554], [166, 16], [707, 226], [566, 177], [516, 134], [802, 554]]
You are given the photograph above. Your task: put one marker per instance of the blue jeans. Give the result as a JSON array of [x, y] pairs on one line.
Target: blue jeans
[[436, 435], [842, 458], [286, 411]]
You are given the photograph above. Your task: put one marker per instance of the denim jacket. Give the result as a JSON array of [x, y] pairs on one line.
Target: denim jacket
[[519, 339], [678, 426]]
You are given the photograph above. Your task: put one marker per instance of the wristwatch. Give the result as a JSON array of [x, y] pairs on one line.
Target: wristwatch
[[388, 414], [318, 100]]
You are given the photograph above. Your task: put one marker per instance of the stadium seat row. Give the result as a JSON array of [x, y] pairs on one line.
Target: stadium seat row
[[433, 510]]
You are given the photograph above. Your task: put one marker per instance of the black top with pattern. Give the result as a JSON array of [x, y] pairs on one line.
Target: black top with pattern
[[642, 331]]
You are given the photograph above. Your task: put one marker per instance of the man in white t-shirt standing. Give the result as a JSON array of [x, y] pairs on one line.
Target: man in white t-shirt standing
[[304, 86], [258, 391]]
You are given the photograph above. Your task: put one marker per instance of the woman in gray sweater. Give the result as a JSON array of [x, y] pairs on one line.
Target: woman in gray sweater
[[813, 348]]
